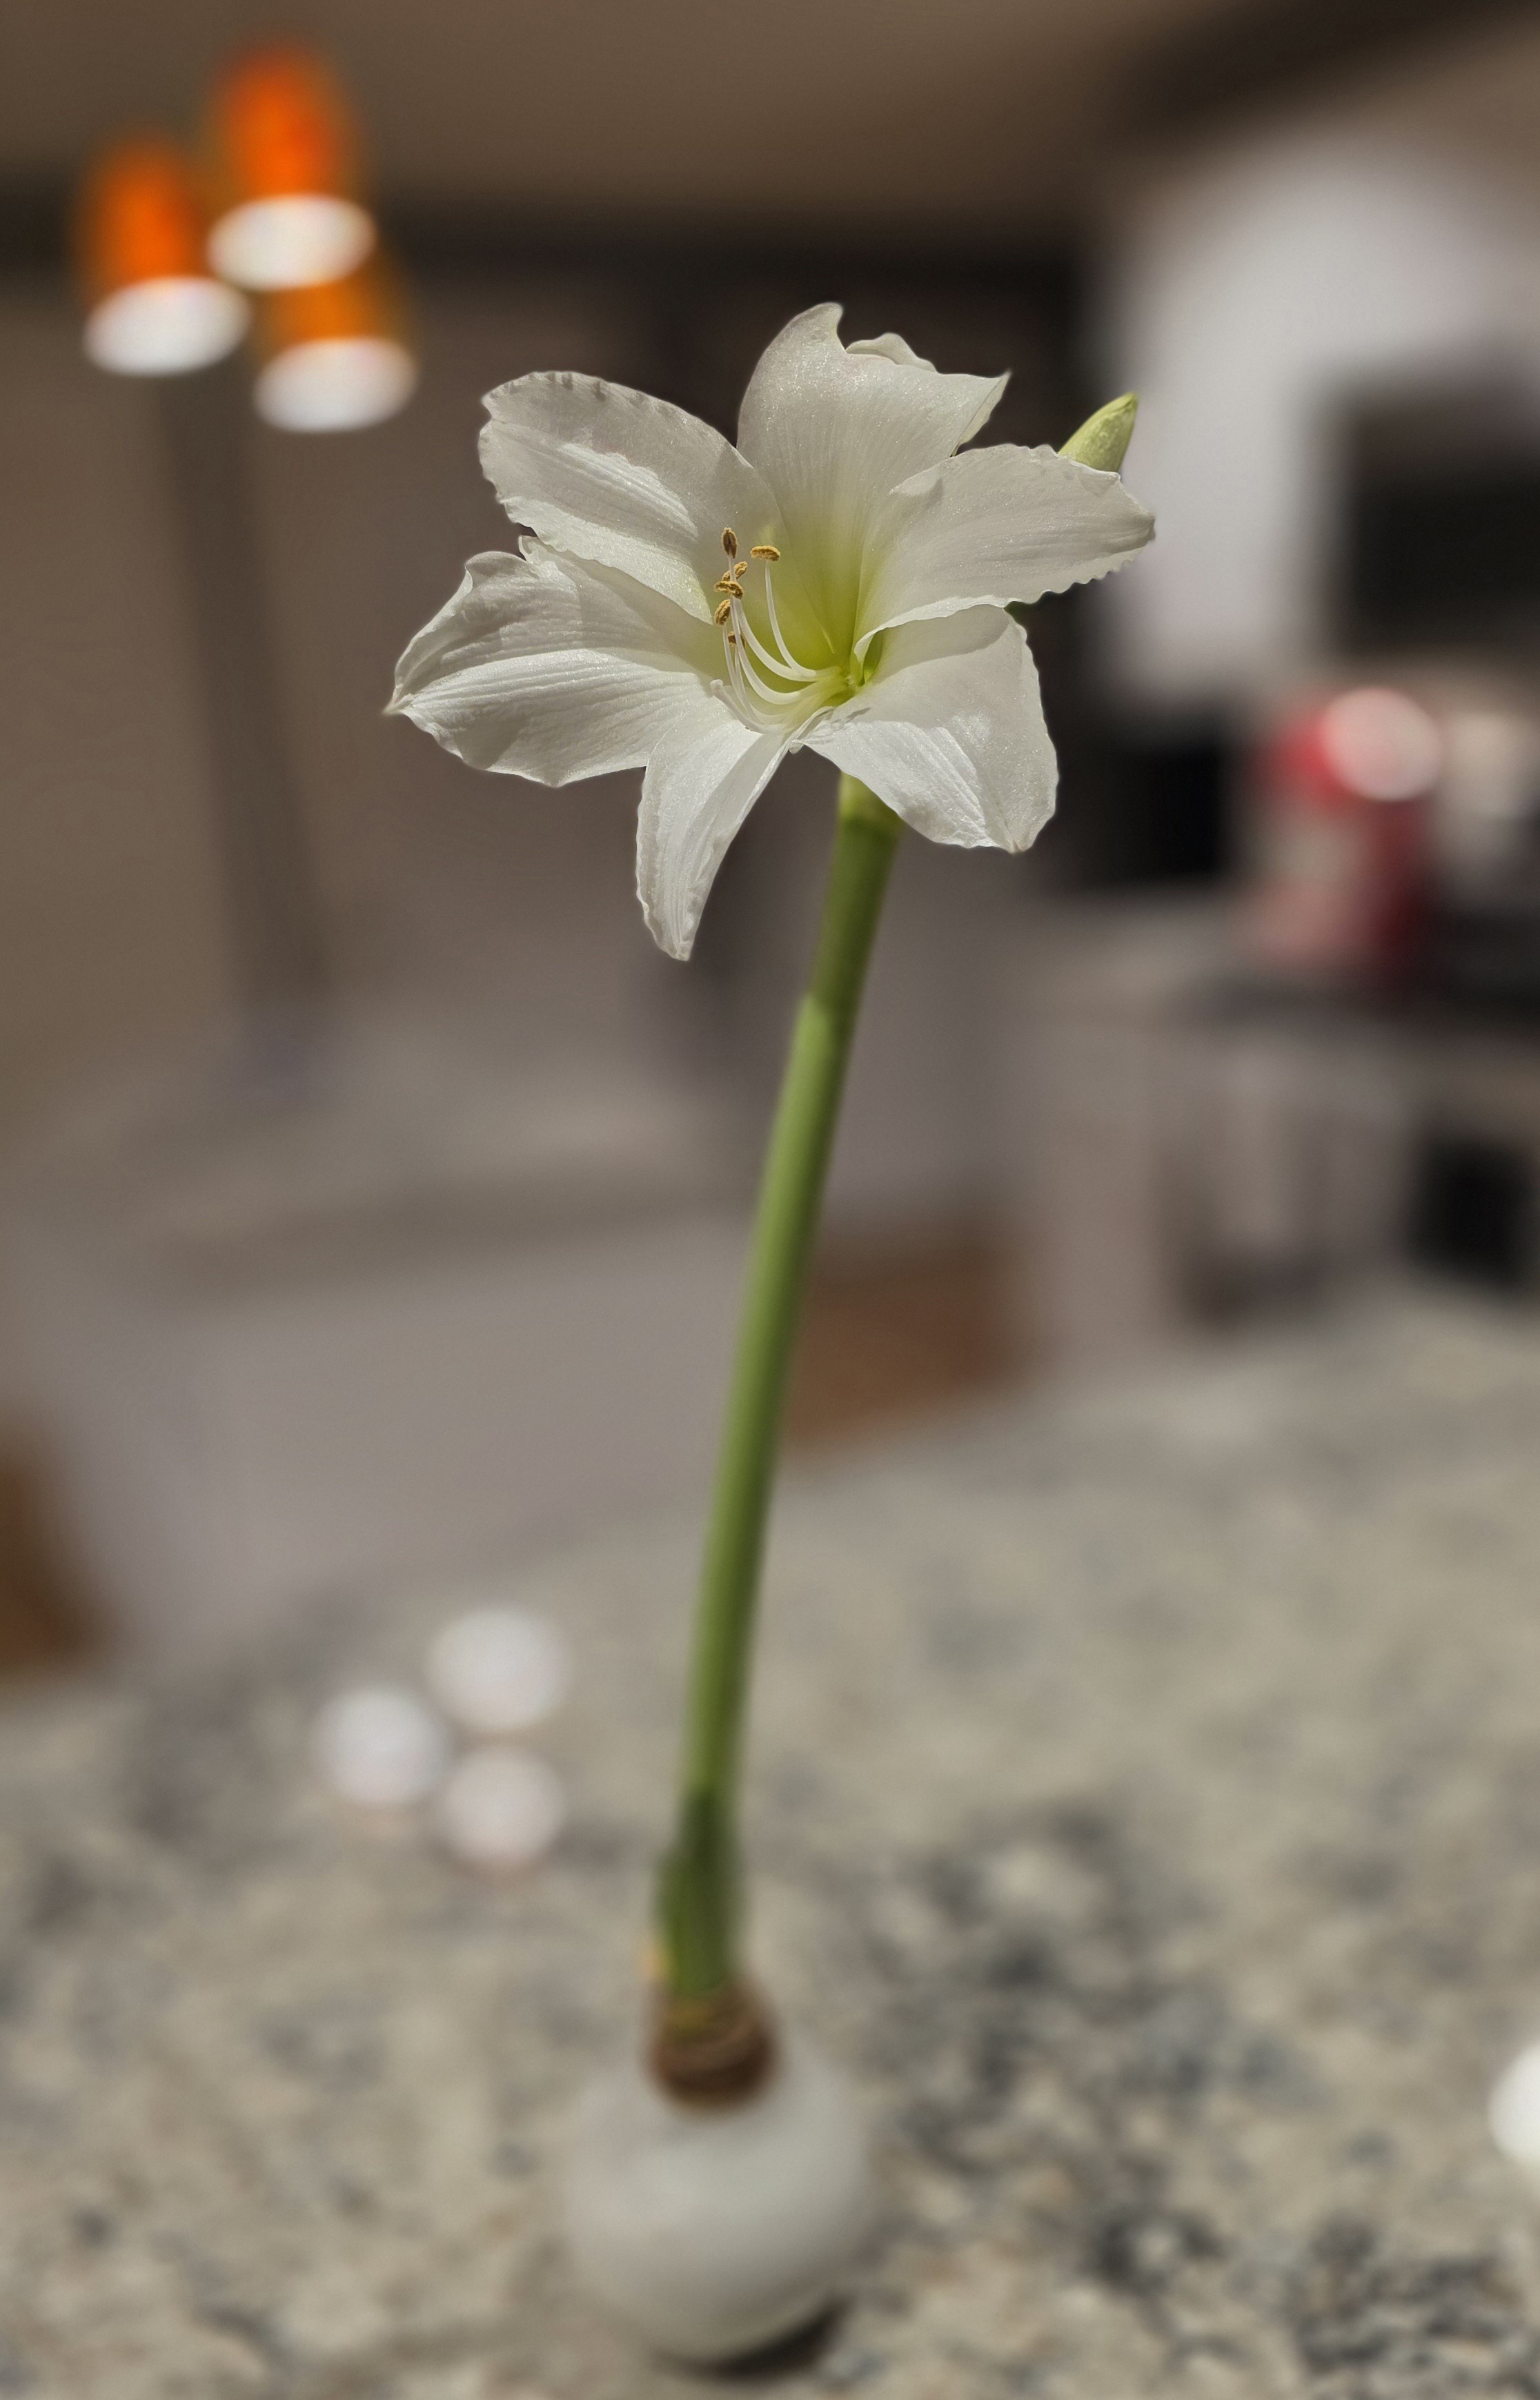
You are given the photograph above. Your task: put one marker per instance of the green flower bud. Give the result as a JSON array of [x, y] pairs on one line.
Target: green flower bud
[[1103, 438]]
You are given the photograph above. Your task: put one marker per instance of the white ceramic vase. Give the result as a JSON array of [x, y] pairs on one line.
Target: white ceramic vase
[[716, 2231]]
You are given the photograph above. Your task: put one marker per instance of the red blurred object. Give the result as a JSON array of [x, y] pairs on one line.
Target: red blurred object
[[139, 218], [281, 125], [358, 307], [285, 160], [337, 354], [140, 230], [1342, 802]]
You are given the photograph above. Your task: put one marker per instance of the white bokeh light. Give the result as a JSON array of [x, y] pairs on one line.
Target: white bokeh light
[[500, 1809], [499, 1669], [284, 245], [379, 1747], [168, 324], [338, 384]]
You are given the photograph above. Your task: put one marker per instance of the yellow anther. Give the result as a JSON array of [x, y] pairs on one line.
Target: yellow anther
[[765, 549], [729, 582], [723, 613], [730, 541]]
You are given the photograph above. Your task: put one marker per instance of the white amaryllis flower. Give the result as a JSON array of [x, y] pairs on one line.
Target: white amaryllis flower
[[838, 582]]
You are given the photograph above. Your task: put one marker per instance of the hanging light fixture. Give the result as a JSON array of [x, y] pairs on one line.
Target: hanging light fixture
[[336, 357], [285, 158], [141, 231], [163, 283]]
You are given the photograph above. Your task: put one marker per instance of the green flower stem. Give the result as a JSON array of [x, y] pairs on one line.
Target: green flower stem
[[699, 1889]]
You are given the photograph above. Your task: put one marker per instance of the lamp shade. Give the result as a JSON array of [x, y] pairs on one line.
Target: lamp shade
[[285, 160], [337, 356], [153, 306]]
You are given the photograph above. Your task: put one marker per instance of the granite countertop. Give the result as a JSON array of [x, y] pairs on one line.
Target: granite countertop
[[1147, 1807]]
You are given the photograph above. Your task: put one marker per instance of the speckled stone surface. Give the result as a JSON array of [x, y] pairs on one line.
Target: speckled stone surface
[[1147, 1809]]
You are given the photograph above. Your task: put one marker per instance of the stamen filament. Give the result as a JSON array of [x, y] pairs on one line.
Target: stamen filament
[[787, 669], [741, 627], [746, 704], [783, 665], [801, 674]]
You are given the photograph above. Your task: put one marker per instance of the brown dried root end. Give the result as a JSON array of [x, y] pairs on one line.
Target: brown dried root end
[[716, 2052]]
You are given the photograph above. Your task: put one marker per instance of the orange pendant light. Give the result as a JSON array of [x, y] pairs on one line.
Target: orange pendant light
[[285, 157], [140, 233], [336, 357]]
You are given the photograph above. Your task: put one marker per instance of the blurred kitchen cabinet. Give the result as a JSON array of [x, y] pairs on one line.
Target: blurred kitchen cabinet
[[1092, 996], [1179, 1141]]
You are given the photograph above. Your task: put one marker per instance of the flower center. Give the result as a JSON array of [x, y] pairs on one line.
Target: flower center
[[768, 682]]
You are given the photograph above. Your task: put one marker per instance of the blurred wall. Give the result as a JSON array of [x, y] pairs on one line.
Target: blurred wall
[[109, 905], [1257, 288]]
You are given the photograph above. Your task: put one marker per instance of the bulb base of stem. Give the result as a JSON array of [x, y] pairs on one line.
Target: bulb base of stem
[[714, 2233], [712, 2050]]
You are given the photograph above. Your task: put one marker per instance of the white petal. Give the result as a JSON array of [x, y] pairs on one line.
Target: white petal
[[951, 733], [610, 474], [702, 781], [547, 667], [832, 431], [887, 346], [1000, 525]]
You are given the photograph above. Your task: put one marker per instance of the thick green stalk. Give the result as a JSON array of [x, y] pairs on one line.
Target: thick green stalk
[[698, 1896]]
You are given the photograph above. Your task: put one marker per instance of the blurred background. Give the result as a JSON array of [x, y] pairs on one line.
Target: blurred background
[[374, 1194]]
